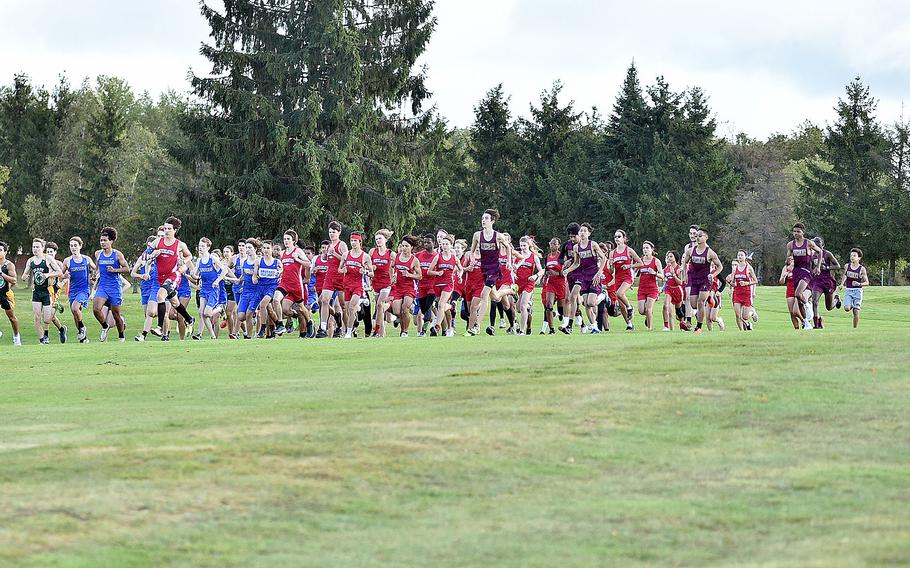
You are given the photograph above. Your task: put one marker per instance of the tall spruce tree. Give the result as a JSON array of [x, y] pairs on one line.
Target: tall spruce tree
[[315, 112], [840, 194]]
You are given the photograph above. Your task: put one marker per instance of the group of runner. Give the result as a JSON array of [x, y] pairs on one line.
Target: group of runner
[[260, 288]]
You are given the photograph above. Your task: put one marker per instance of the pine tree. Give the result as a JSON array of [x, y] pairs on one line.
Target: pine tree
[[315, 112], [840, 193]]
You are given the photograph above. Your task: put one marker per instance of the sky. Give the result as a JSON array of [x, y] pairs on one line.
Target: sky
[[765, 66]]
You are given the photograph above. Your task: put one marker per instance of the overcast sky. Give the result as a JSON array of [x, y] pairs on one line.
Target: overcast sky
[[766, 66]]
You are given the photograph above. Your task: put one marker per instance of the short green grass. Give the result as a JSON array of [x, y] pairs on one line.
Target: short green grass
[[775, 448]]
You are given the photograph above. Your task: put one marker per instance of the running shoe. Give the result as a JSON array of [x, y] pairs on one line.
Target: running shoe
[[310, 330], [630, 327], [197, 337], [17, 341], [156, 331], [510, 331], [836, 306], [433, 331], [450, 332], [565, 329], [104, 332], [44, 340], [349, 335], [279, 330], [403, 334], [165, 338], [63, 334], [698, 331], [81, 335], [502, 324], [139, 337], [666, 328], [594, 331], [491, 330], [421, 333], [755, 314], [321, 334]]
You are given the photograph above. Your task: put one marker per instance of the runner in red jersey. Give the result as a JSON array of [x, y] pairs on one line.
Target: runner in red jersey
[[624, 258], [405, 275], [426, 287], [555, 288], [460, 247], [356, 264], [528, 271], [333, 282], [786, 277], [381, 257], [446, 266], [606, 300], [650, 271], [741, 279], [503, 292], [291, 291], [167, 251], [674, 293]]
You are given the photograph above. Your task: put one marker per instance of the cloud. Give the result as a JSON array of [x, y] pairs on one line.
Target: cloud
[[765, 66]]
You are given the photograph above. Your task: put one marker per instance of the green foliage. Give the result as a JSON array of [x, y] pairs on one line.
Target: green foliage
[[27, 134], [4, 178], [314, 112], [852, 197]]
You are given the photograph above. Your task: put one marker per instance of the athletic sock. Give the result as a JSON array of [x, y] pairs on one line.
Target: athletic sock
[[323, 325], [162, 311], [511, 317], [45, 333], [493, 314], [144, 333], [698, 325], [80, 326], [181, 309], [120, 334]]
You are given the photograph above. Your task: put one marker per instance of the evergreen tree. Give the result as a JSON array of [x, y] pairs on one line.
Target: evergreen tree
[[27, 135], [840, 193], [314, 112]]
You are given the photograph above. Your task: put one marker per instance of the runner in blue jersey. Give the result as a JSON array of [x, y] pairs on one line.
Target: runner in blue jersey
[[111, 263], [79, 267], [210, 273], [146, 271], [249, 297], [266, 277]]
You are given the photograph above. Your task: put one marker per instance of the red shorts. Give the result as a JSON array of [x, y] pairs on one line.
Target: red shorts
[[557, 287], [645, 293], [473, 290], [742, 295], [623, 277], [791, 289], [505, 279], [399, 293], [334, 282], [526, 285], [380, 286], [611, 291], [174, 277], [294, 295], [351, 291], [448, 287], [676, 294]]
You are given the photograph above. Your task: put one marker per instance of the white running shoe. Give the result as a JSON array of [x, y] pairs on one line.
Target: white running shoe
[[139, 337], [104, 332], [502, 324], [17, 341], [578, 320], [404, 334], [122, 339], [450, 332], [666, 328], [156, 331], [348, 335]]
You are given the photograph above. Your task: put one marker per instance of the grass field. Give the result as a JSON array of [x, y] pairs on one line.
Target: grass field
[[775, 448]]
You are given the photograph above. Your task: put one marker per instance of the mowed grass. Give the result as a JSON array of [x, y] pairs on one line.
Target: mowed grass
[[775, 448]]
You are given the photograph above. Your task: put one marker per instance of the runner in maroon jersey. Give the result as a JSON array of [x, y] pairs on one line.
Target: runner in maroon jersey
[[528, 271], [704, 266], [381, 257], [805, 255], [693, 238], [585, 273], [356, 264], [823, 283], [674, 293], [405, 275], [741, 279], [650, 270], [854, 280], [167, 251], [486, 245], [291, 293], [333, 281]]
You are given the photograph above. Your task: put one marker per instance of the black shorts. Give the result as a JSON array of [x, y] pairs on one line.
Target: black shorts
[[6, 300], [426, 303], [229, 292], [41, 295]]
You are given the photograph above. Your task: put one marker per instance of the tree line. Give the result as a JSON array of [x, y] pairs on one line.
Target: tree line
[[317, 111]]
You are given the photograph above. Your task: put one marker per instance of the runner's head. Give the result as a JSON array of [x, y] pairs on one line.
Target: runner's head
[[227, 251], [309, 251], [702, 236], [356, 241], [819, 241], [428, 242], [856, 255], [693, 232], [205, 245], [108, 236], [619, 237], [334, 231], [252, 246], [160, 232], [585, 231], [440, 235], [524, 244], [241, 247], [647, 248], [670, 257], [572, 230], [488, 218], [51, 248], [445, 244], [799, 231], [171, 226], [38, 246], [606, 247], [3, 248], [554, 245], [75, 245], [267, 247], [324, 247], [381, 238], [461, 245], [407, 244], [290, 239], [740, 256]]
